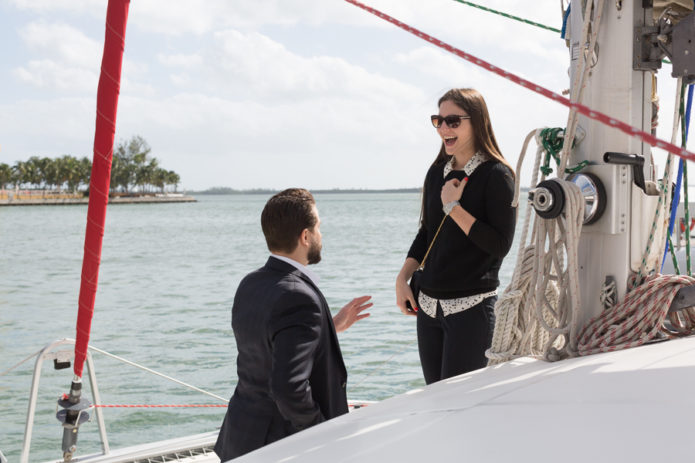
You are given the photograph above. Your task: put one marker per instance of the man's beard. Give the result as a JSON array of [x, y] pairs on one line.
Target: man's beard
[[314, 256]]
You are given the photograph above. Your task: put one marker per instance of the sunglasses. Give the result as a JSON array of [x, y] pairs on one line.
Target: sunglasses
[[452, 121]]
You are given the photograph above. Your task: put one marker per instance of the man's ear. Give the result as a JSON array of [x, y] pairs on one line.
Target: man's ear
[[304, 238]]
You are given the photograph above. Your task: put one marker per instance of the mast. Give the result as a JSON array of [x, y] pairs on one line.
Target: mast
[[620, 83], [606, 247]]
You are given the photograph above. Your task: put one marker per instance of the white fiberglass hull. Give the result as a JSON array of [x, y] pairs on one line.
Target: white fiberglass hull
[[632, 405]]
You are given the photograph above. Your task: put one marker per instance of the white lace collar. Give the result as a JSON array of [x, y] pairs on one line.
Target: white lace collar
[[477, 159]]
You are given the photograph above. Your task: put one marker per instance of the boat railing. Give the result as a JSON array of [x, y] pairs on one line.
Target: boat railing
[[60, 356], [64, 357]]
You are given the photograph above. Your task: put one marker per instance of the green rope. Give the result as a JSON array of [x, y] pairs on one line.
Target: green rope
[[673, 255], [552, 140], [577, 168], [525, 21], [507, 15], [662, 199]]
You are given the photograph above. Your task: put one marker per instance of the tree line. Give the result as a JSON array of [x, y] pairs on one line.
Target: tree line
[[133, 169]]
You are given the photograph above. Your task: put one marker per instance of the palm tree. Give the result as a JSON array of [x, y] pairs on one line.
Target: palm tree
[[5, 175], [131, 167], [145, 174], [49, 171], [84, 170], [32, 173], [173, 179], [19, 173]]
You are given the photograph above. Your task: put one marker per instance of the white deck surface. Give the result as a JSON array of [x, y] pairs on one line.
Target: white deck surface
[[634, 405]]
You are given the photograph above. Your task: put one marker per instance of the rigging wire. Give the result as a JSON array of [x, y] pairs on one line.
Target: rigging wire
[[3, 373], [659, 225], [685, 121], [583, 109], [156, 373], [682, 169], [509, 16]]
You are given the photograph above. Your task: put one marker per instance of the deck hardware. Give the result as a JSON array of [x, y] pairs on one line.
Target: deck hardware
[[73, 414], [634, 160], [548, 199], [685, 297], [594, 195]]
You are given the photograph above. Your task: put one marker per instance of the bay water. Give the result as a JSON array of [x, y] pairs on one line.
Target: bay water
[[167, 280]]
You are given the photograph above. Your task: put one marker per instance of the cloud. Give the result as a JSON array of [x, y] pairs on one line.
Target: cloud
[[68, 59], [253, 64], [63, 42], [49, 74], [50, 6], [180, 60]]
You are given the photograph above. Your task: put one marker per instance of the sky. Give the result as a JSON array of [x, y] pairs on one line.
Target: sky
[[274, 93]]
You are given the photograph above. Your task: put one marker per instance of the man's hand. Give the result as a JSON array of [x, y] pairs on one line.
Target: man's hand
[[351, 313]]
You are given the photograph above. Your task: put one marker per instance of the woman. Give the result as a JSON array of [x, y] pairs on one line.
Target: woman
[[454, 308]]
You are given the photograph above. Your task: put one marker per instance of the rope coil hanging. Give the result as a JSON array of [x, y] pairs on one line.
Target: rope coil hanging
[[536, 314]]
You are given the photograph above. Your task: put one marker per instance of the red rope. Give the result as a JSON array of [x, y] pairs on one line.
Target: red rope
[[358, 405], [160, 406], [585, 110]]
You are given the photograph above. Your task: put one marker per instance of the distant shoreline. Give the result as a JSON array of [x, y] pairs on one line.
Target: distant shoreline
[[263, 191], [144, 199]]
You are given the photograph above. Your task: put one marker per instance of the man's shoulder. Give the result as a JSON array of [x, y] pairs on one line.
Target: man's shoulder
[[284, 284]]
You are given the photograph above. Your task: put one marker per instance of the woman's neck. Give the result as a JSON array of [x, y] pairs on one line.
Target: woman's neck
[[461, 159]]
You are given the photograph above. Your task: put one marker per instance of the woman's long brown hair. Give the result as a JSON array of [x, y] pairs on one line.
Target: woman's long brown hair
[[473, 103]]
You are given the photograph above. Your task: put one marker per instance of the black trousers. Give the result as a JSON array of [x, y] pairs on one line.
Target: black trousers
[[456, 344]]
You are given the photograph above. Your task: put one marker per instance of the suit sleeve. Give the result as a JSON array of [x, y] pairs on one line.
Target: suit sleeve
[[495, 236], [295, 331]]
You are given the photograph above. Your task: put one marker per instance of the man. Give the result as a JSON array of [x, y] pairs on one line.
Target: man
[[290, 370]]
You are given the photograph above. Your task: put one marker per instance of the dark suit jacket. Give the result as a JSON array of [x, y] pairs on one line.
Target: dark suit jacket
[[290, 369]]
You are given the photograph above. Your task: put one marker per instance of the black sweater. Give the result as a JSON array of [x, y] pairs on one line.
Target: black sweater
[[460, 265]]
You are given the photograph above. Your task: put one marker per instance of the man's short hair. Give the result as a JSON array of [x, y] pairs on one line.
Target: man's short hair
[[285, 216]]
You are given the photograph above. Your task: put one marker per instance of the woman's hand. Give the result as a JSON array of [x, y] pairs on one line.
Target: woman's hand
[[453, 189], [405, 294]]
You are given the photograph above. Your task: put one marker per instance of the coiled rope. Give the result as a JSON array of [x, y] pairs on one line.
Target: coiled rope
[[537, 312], [639, 318]]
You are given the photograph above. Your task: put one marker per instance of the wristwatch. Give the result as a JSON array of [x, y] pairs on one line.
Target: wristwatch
[[449, 206]]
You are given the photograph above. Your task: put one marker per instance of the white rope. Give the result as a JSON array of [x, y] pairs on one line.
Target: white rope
[[532, 313], [583, 69], [559, 265], [608, 295]]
